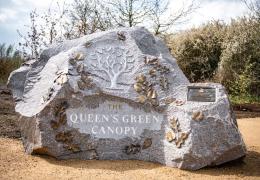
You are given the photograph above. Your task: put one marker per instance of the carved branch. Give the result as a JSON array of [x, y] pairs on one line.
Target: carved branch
[[114, 62]]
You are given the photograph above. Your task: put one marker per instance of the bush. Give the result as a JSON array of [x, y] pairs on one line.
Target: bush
[[229, 54], [9, 61], [239, 69], [198, 51]]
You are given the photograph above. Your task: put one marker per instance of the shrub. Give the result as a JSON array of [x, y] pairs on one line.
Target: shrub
[[198, 50], [9, 61], [225, 53], [239, 69]]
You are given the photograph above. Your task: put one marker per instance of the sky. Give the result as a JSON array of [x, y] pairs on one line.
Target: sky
[[14, 14]]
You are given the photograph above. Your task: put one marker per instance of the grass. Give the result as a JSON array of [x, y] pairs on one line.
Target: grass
[[245, 99]]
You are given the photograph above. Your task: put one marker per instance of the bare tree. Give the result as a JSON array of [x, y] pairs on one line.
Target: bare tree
[[129, 12], [88, 17], [253, 6], [43, 30], [84, 17], [113, 61], [32, 42], [162, 20], [52, 26]]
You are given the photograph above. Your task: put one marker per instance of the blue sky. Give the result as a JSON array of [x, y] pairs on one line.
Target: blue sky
[[14, 14]]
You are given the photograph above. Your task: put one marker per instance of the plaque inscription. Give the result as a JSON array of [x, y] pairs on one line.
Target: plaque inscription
[[201, 94], [113, 120]]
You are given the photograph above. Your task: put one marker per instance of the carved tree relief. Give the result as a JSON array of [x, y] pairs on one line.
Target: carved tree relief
[[113, 61]]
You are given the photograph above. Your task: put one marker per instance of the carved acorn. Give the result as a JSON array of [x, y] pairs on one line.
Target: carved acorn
[[169, 100], [88, 44], [165, 70], [179, 102], [138, 87], [147, 143], [79, 56], [151, 94], [152, 72], [197, 116], [72, 61], [73, 147], [141, 78], [85, 78], [63, 119], [146, 60], [154, 61], [158, 67], [81, 85], [54, 125], [154, 94], [121, 36], [65, 137], [141, 99], [80, 68], [154, 102], [174, 123], [164, 83], [132, 149]]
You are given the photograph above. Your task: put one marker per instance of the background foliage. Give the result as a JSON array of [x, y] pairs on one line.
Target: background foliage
[[224, 53], [9, 60]]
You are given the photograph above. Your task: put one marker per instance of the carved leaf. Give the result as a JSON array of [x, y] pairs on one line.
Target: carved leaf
[[170, 136]]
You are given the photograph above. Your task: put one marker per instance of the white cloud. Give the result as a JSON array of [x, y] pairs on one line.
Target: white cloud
[[222, 10], [14, 14], [7, 14], [33, 3]]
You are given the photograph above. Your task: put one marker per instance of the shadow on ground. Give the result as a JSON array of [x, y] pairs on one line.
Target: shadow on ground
[[112, 165], [247, 166]]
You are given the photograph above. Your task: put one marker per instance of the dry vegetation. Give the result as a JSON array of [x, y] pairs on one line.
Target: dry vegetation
[[9, 61]]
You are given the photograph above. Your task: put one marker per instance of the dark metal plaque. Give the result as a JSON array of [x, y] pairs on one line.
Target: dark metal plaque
[[201, 94]]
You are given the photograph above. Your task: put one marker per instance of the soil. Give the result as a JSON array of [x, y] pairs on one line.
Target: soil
[[15, 164], [8, 117], [247, 110], [247, 107]]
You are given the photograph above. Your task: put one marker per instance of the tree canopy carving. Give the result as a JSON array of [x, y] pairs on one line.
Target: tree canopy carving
[[112, 61]]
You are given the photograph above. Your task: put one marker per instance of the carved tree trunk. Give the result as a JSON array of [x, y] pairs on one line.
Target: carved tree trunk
[[113, 80]]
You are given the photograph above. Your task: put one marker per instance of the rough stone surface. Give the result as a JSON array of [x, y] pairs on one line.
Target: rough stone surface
[[120, 95]]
